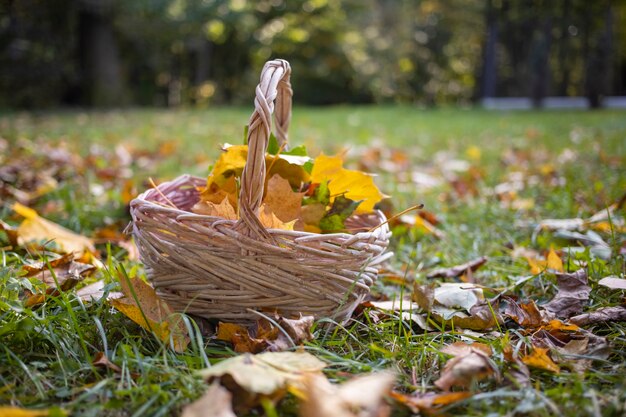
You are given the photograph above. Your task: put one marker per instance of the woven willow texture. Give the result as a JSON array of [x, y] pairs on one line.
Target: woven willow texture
[[222, 269]]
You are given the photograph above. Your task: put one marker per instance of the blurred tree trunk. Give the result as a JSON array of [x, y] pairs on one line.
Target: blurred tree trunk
[[99, 55], [540, 69], [564, 50], [598, 55], [489, 57]]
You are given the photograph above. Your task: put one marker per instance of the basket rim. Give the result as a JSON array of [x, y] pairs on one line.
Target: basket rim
[[144, 199]]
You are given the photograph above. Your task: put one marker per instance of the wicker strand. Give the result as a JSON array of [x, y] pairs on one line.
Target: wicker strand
[[273, 86]]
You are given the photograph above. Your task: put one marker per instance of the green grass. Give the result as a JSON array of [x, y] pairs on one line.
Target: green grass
[[573, 163]]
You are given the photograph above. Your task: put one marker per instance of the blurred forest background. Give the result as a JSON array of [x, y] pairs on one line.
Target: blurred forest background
[[187, 52]]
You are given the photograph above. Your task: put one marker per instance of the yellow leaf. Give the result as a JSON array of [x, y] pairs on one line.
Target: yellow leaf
[[151, 312], [355, 185], [539, 359], [270, 221], [224, 209], [281, 199], [22, 412], [229, 164], [35, 228], [554, 262]]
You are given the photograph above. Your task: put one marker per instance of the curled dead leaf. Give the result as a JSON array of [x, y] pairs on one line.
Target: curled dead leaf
[[464, 370], [362, 396], [573, 294], [215, 402]]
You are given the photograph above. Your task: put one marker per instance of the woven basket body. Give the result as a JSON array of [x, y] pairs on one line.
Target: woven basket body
[[224, 269]]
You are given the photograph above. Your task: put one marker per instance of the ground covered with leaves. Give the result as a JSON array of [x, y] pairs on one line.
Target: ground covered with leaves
[[505, 296]]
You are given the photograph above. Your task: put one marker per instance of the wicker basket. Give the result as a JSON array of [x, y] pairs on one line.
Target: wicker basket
[[222, 269]]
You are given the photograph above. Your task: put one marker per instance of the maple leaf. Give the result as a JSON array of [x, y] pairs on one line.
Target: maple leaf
[[35, 228], [143, 306], [269, 220], [340, 210], [282, 200], [355, 185], [223, 210]]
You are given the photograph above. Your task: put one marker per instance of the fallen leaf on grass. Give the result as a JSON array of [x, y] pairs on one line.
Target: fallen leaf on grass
[[66, 272], [526, 315], [430, 402], [36, 229], [265, 335], [143, 306], [461, 303], [7, 411], [613, 283], [102, 361], [539, 358], [455, 271], [95, 291], [552, 262], [600, 315], [463, 370], [420, 223], [11, 233], [269, 374], [216, 402], [462, 348], [362, 396], [573, 294]]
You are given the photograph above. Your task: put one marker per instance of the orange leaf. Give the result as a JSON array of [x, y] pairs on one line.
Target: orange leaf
[[223, 210], [539, 359], [281, 199]]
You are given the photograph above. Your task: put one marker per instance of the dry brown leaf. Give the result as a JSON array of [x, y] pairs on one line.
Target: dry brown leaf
[[223, 210], [573, 294], [36, 229], [613, 283], [66, 272], [267, 374], [95, 291], [362, 396], [462, 371], [11, 233], [462, 348], [539, 358], [270, 221], [458, 270], [526, 315], [216, 402], [102, 361], [151, 312], [282, 200], [430, 402], [600, 315], [265, 335]]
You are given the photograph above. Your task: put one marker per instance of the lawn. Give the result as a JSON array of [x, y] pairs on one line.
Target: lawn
[[487, 180]]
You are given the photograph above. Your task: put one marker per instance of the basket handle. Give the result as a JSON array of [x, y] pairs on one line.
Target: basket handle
[[274, 86]]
